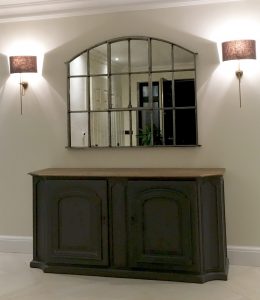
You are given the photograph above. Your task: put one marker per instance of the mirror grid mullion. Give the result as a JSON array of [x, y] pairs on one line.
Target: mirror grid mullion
[[173, 99], [68, 107], [109, 92], [130, 95], [195, 89], [162, 110], [88, 99], [150, 85]]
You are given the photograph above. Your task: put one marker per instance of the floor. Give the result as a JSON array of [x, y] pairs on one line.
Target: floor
[[19, 281]]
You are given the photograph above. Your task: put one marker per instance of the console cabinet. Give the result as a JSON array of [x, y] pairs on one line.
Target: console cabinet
[[166, 224]]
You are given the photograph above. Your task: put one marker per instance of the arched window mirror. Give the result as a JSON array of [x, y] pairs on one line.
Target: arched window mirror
[[130, 92]]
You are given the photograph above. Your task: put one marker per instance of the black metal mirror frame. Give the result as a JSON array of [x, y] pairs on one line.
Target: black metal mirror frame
[[134, 138]]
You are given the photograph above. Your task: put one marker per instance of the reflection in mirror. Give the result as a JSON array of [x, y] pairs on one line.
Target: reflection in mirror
[[120, 129], [99, 129], [78, 94], [185, 127], [119, 57], [98, 60], [137, 92], [119, 91], [163, 123], [183, 97], [148, 122], [137, 88], [139, 55], [149, 128], [184, 92], [79, 129], [79, 65], [98, 93], [183, 59], [161, 56]]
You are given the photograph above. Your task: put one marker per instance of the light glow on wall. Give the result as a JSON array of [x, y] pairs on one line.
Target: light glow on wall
[[236, 29]]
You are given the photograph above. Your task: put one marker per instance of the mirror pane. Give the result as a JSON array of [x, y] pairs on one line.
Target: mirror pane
[[99, 93], [139, 89], [120, 128], [164, 120], [98, 60], [167, 129], [183, 59], [161, 55], [120, 91], [99, 129], [184, 92], [148, 128], [79, 129], [162, 81], [139, 55], [184, 75], [186, 127], [78, 94], [119, 57], [78, 66]]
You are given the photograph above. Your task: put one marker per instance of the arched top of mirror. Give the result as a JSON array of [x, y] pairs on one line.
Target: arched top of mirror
[[163, 55]]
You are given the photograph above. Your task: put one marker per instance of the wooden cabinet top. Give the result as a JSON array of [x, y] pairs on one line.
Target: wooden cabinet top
[[130, 172]]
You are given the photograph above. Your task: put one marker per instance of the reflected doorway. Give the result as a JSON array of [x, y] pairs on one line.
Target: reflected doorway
[[171, 118]]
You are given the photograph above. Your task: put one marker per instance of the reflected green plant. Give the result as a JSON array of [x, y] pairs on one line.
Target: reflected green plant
[[145, 136]]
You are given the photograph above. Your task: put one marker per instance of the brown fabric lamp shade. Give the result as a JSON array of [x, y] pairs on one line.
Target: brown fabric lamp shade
[[23, 64], [239, 49]]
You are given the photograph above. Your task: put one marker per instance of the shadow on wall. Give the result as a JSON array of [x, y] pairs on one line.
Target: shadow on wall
[[4, 73], [54, 67], [54, 71], [4, 69]]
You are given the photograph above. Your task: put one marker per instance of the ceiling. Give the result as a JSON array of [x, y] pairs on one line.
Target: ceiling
[[11, 10]]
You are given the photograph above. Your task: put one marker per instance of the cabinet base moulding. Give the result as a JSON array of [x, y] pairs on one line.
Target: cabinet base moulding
[[121, 273]]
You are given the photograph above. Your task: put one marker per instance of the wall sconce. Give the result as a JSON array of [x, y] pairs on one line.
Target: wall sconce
[[239, 49], [23, 64]]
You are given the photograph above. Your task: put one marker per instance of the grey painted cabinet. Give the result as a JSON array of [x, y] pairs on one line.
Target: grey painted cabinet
[[113, 223]]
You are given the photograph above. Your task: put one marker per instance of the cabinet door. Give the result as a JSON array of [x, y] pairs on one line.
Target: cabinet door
[[160, 224], [72, 221]]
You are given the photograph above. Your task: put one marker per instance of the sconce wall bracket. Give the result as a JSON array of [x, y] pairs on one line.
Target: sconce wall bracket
[[239, 74], [24, 85]]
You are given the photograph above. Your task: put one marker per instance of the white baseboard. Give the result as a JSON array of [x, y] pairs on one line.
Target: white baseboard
[[244, 256], [16, 244], [238, 255]]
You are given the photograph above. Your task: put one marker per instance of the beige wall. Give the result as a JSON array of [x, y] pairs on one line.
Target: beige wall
[[229, 135]]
